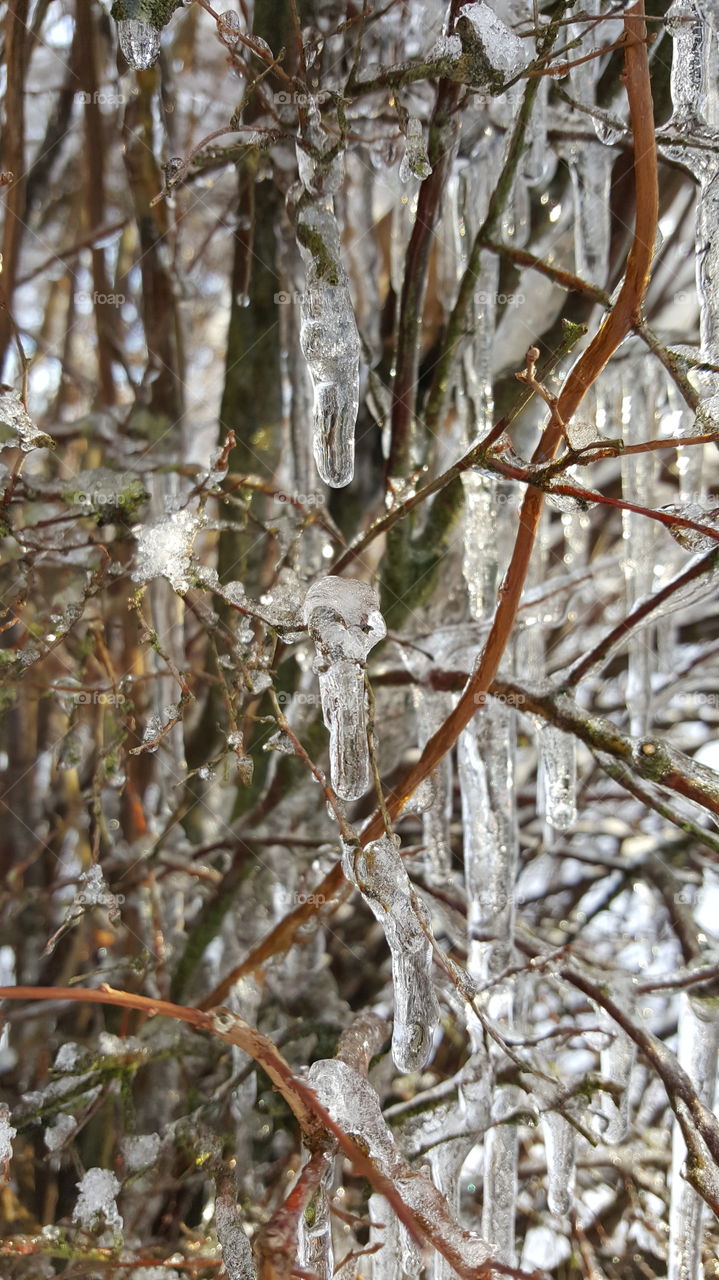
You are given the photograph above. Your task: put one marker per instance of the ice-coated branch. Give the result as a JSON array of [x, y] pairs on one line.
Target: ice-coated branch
[[343, 618]]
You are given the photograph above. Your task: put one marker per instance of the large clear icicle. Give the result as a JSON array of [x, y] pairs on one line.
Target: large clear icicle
[[343, 618], [379, 874], [485, 758], [500, 1177], [697, 1053], [560, 1149], [590, 167], [329, 337], [639, 480]]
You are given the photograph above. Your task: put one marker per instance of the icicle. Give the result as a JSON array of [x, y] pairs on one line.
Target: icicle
[[590, 168], [638, 477], [689, 30], [379, 874], [698, 1045], [329, 338], [540, 159], [500, 1177], [557, 776], [315, 1234], [342, 616], [487, 511], [560, 1147], [384, 1231], [432, 710], [616, 1063], [485, 757]]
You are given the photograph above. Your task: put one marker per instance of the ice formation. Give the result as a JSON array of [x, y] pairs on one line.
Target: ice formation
[[343, 618]]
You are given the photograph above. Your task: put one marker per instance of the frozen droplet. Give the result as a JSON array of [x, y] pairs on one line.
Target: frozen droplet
[[229, 27], [415, 161], [140, 43], [691, 539]]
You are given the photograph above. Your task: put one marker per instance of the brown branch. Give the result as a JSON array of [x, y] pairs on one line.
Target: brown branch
[[439, 1230]]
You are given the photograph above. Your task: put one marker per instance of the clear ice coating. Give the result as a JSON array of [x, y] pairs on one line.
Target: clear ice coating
[[140, 43], [615, 1064], [379, 873], [415, 161], [329, 338], [504, 51], [343, 618], [698, 1054], [557, 799], [688, 28], [15, 419]]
